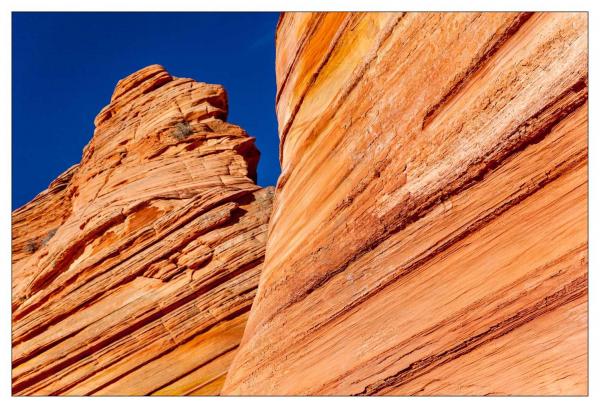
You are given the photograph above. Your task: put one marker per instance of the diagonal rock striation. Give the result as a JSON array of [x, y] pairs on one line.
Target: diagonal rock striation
[[427, 236], [134, 272], [428, 233]]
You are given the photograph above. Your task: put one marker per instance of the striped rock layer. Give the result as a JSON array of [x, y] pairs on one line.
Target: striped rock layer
[[428, 233], [134, 272]]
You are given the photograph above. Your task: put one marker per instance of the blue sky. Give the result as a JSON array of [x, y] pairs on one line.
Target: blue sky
[[65, 67]]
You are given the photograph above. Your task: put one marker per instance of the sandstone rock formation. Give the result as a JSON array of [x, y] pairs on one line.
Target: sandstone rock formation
[[429, 232], [134, 272]]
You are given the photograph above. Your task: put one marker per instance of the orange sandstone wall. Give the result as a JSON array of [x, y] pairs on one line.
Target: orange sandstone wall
[[429, 229], [134, 272]]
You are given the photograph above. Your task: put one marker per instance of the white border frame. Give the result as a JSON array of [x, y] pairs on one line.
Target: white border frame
[[7, 6]]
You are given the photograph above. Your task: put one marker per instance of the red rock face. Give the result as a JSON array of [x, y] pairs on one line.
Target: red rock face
[[429, 231], [134, 272], [428, 235]]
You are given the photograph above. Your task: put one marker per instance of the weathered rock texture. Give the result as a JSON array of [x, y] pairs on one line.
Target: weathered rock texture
[[428, 234], [134, 272]]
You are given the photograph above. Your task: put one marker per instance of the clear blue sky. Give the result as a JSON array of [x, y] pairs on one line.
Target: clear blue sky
[[65, 67]]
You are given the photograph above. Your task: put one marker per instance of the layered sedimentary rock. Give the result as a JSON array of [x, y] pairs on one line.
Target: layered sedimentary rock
[[428, 233], [134, 272]]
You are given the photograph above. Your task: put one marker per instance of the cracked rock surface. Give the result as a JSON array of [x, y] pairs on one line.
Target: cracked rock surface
[[134, 272]]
